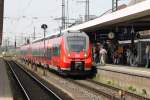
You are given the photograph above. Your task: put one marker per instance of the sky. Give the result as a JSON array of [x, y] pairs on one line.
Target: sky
[[21, 17]]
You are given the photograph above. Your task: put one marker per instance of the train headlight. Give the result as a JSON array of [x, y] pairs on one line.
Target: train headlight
[[68, 55], [85, 54]]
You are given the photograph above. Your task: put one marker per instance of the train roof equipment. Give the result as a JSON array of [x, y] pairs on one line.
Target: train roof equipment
[[57, 35]]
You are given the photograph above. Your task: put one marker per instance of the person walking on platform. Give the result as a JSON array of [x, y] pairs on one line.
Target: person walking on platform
[[147, 52], [103, 54], [96, 52], [128, 55]]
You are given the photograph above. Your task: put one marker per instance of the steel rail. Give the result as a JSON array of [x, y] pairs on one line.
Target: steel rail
[[40, 82], [117, 89], [35, 79], [22, 88], [126, 73], [109, 96]]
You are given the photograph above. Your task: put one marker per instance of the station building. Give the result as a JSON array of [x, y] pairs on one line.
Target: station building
[[126, 28]]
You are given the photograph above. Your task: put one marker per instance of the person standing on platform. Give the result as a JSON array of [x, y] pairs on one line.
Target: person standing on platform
[[103, 54], [96, 52], [147, 52], [128, 55]]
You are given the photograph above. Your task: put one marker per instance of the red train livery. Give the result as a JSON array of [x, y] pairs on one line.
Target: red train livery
[[68, 53]]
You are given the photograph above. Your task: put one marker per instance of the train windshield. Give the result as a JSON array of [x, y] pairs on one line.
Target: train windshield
[[76, 43]]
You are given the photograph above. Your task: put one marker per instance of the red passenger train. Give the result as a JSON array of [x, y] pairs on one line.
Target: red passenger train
[[68, 53]]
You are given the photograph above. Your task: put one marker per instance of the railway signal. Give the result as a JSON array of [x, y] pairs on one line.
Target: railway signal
[[44, 26]]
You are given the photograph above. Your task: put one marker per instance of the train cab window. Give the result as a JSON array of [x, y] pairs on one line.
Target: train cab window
[[76, 43]]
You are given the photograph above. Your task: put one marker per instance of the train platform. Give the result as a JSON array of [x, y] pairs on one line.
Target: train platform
[[5, 90], [134, 79], [138, 71]]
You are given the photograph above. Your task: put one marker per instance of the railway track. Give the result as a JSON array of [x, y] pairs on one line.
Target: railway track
[[112, 93], [131, 77], [31, 87], [94, 89], [122, 93], [75, 91]]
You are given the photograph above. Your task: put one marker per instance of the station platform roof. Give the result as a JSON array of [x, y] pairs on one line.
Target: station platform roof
[[137, 15]]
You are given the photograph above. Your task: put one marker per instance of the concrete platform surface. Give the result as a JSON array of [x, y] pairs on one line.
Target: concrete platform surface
[[139, 71], [5, 90], [126, 77]]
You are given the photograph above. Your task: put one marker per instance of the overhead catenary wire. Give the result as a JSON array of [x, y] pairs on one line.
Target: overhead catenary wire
[[27, 6]]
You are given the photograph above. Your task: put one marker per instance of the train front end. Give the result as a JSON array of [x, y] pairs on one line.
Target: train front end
[[77, 53]]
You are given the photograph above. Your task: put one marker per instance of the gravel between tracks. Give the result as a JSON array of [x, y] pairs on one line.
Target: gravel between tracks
[[16, 90], [75, 91], [34, 90], [51, 86], [113, 92]]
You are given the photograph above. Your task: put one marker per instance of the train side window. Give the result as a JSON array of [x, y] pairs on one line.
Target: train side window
[[40, 52], [49, 53], [32, 52], [58, 50], [54, 51]]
